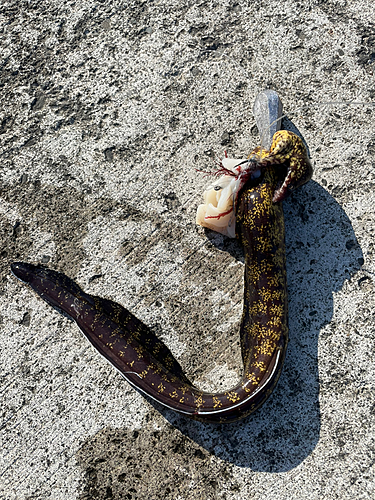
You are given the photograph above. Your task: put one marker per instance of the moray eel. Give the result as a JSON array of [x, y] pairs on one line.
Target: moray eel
[[256, 187]]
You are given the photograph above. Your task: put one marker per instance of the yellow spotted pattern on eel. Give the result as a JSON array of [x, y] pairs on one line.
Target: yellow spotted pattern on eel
[[261, 365], [232, 396], [217, 402], [199, 401], [253, 378]]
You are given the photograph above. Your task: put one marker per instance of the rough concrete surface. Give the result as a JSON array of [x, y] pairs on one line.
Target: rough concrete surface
[[107, 110]]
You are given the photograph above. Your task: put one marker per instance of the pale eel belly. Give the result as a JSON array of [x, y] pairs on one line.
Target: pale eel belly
[[252, 199]]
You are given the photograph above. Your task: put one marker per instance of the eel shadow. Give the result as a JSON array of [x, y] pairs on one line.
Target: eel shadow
[[322, 252]]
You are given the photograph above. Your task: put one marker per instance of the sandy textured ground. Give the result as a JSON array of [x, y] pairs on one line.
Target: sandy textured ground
[[107, 109]]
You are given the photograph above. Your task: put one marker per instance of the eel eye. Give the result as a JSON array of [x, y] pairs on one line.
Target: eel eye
[[256, 174]]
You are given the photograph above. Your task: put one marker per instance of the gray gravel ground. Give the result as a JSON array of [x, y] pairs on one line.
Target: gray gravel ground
[[107, 108]]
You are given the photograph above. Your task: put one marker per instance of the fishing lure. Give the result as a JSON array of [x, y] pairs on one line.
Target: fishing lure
[[248, 200]]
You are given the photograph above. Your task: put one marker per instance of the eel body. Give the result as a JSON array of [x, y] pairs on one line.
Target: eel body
[[146, 362]]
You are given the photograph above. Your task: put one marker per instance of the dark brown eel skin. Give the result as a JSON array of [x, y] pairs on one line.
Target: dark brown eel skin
[[145, 362]]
